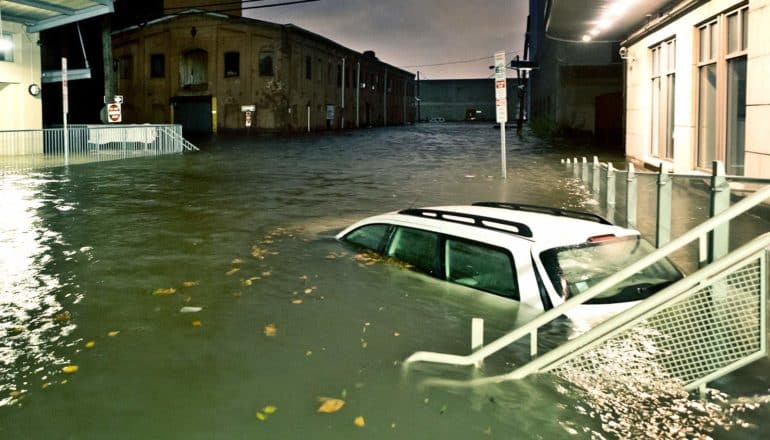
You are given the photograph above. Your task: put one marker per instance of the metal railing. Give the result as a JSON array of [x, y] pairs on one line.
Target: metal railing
[[20, 149], [675, 293], [602, 180]]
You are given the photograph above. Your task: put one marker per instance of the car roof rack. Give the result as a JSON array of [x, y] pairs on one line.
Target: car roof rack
[[546, 210], [480, 221]]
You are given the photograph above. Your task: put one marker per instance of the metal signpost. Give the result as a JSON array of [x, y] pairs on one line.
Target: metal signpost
[[65, 107], [501, 104]]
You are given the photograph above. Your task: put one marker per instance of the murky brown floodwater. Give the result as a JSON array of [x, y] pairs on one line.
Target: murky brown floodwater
[[202, 296]]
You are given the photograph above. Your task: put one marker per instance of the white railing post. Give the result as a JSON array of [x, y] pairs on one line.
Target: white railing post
[[663, 212], [631, 197], [719, 238]]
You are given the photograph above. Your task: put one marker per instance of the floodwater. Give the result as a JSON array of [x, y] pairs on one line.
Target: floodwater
[[203, 296]]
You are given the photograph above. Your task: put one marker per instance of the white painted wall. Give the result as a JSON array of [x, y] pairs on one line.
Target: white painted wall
[[639, 89], [18, 109]]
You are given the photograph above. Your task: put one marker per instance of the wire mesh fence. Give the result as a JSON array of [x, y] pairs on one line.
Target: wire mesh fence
[[703, 333]]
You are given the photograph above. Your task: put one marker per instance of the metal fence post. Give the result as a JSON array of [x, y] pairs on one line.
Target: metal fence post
[[719, 238], [595, 175], [631, 197], [663, 215], [610, 201]]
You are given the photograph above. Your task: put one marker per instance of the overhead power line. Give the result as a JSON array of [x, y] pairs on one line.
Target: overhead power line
[[223, 6], [446, 63]]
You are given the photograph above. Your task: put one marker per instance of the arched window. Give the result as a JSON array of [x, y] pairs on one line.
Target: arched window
[[193, 69], [266, 63]]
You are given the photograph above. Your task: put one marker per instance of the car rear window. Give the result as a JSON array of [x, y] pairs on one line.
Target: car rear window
[[575, 269], [369, 236], [416, 247], [481, 267]]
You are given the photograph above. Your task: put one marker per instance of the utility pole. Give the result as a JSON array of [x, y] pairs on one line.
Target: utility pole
[[418, 96], [109, 79]]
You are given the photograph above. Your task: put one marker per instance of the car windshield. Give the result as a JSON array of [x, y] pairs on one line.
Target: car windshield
[[574, 269]]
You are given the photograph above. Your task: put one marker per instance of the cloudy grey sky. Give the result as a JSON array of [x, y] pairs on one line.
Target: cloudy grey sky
[[412, 33]]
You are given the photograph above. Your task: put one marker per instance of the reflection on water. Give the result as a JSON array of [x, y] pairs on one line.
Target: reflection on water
[[209, 288], [34, 323]]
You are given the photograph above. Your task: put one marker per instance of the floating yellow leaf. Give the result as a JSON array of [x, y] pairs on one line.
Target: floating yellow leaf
[[269, 409], [270, 330], [237, 261], [266, 274], [196, 323], [396, 334], [190, 283], [261, 416], [69, 369], [359, 421], [164, 292], [308, 291], [331, 405], [113, 333], [296, 301], [46, 385], [90, 344], [246, 282], [232, 271]]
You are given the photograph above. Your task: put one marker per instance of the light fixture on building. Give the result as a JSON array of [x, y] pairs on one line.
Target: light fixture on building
[[5, 43], [586, 38], [34, 90]]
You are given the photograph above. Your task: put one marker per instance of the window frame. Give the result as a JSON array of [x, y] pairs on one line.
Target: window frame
[[262, 62], [717, 54], [154, 64], [231, 57], [7, 56], [663, 103]]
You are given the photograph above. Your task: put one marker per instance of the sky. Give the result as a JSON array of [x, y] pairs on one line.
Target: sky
[[415, 34]]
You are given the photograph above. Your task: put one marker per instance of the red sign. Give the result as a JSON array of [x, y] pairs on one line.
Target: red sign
[[114, 114]]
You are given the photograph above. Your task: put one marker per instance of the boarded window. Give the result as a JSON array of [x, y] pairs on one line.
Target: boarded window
[[232, 64], [266, 63], [193, 70], [157, 65]]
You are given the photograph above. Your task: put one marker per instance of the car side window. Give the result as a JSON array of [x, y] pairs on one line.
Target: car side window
[[481, 267], [369, 236], [415, 247]]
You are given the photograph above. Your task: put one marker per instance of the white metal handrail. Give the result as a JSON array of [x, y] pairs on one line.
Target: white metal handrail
[[532, 327]]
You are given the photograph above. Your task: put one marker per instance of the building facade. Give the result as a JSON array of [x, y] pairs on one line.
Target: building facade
[[464, 99], [212, 72], [20, 107], [698, 90], [576, 87]]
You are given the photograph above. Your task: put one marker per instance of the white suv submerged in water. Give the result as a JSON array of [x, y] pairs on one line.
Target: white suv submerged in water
[[536, 255]]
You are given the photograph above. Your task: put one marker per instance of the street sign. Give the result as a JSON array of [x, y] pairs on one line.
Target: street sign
[[114, 114], [501, 93]]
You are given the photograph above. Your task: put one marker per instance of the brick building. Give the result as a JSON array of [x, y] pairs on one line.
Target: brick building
[[206, 70]]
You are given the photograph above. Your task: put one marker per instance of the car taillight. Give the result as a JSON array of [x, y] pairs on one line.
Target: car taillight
[[598, 238]]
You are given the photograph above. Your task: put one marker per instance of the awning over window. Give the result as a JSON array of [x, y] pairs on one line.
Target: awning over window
[[39, 15]]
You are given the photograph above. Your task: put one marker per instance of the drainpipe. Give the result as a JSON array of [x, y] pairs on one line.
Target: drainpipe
[[342, 93], [308, 118], [358, 93]]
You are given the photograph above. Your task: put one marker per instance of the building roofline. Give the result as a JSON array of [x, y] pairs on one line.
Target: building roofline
[[249, 20]]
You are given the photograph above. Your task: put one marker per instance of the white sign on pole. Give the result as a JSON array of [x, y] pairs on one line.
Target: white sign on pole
[[501, 92], [501, 104]]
